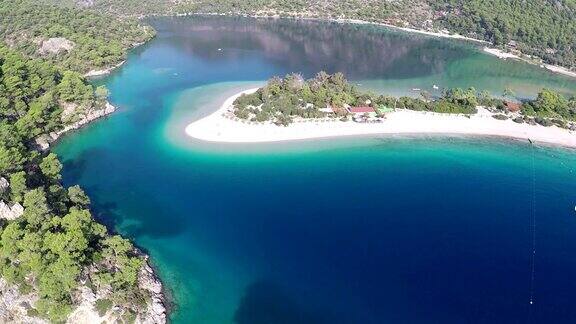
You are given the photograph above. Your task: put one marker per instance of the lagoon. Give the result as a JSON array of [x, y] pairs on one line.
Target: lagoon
[[356, 230]]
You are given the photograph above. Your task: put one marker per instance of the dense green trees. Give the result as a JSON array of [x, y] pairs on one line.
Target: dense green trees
[[54, 243], [281, 100], [550, 104], [99, 41], [539, 27]]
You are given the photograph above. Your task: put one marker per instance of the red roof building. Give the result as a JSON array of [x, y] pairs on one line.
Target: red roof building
[[361, 110], [512, 106]]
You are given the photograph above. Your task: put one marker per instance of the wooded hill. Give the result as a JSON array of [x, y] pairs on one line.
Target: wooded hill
[[50, 245], [49, 241], [545, 28], [69, 37]]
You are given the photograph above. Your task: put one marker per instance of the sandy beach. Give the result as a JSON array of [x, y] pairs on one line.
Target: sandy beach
[[500, 53], [218, 128]]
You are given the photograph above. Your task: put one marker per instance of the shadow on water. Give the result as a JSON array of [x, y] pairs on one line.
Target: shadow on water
[[75, 167], [106, 213], [266, 302]]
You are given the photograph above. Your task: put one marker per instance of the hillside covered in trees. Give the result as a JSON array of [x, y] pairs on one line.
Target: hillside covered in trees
[[50, 245], [544, 28], [67, 36]]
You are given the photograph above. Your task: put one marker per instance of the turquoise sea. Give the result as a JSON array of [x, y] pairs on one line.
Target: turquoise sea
[[351, 230]]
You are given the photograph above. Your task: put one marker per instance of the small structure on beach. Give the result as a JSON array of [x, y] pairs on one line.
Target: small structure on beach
[[362, 110], [512, 106], [364, 114]]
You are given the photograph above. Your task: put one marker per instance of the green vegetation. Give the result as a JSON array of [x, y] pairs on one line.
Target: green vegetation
[[550, 104], [97, 41], [453, 101], [56, 242], [543, 28], [282, 100], [103, 306]]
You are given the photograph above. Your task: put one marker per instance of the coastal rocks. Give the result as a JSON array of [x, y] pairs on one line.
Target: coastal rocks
[[85, 118], [10, 212], [156, 310], [153, 313], [96, 73], [43, 142], [68, 110], [14, 306], [55, 45]]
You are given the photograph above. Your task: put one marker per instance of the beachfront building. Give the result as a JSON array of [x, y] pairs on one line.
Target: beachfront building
[[363, 114], [512, 106], [362, 110]]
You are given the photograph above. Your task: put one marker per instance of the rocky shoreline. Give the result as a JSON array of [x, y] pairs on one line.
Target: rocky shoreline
[[18, 307], [43, 142]]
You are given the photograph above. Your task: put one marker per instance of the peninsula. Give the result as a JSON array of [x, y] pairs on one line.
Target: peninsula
[[328, 106]]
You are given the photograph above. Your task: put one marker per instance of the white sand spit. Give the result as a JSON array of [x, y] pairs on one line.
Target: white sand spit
[[218, 128]]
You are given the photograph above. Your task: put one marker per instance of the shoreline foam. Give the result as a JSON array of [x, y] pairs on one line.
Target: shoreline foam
[[218, 128]]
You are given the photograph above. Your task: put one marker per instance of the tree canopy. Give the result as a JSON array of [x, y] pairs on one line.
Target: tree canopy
[[53, 244], [98, 41], [543, 28]]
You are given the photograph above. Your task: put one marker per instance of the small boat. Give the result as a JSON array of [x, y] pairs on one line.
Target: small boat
[[219, 50], [416, 89], [435, 87]]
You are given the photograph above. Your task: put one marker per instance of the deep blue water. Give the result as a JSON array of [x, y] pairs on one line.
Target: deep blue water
[[358, 230]]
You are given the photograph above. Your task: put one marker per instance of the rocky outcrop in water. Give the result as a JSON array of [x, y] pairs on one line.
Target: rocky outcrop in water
[[43, 142]]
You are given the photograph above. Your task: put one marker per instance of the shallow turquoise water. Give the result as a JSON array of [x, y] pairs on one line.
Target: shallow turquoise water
[[355, 230]]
